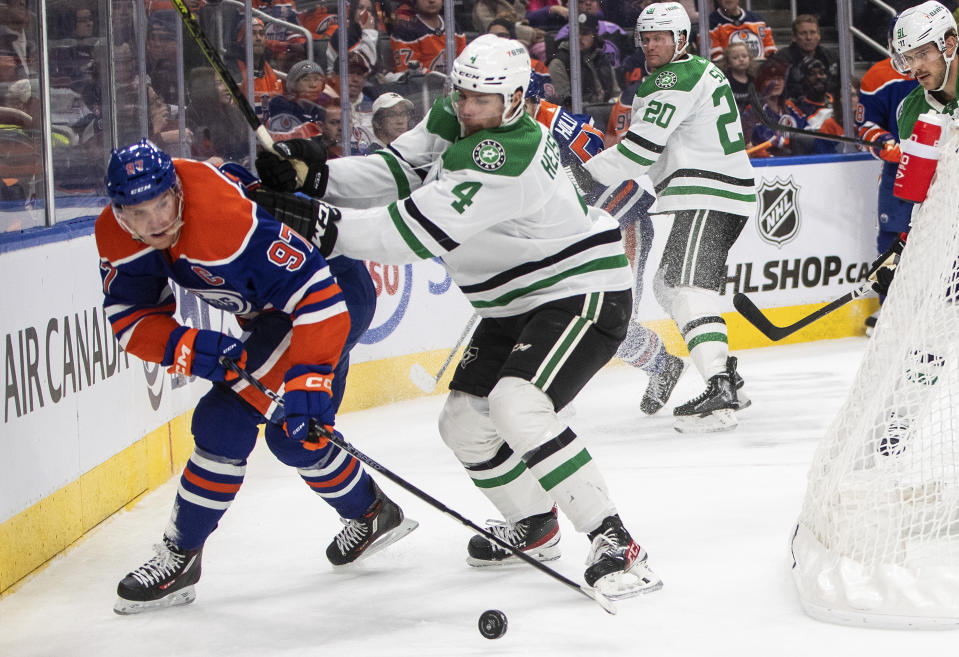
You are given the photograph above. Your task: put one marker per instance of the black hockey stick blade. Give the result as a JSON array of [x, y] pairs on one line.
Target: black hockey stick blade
[[339, 441], [755, 316]]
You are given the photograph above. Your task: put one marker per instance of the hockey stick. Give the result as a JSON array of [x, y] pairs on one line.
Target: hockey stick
[[426, 381], [339, 441], [772, 125], [216, 62], [755, 316]]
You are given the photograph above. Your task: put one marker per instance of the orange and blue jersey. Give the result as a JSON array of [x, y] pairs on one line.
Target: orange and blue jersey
[[749, 28], [415, 41], [232, 254], [881, 94], [578, 139]]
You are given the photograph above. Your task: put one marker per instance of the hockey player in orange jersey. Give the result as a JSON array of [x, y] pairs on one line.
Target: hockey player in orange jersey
[[189, 223]]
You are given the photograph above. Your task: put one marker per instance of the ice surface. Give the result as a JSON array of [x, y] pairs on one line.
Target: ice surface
[[714, 511]]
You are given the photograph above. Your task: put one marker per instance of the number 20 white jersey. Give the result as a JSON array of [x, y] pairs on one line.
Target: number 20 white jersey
[[687, 136]]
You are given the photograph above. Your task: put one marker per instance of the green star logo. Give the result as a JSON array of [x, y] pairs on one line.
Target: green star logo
[[489, 155], [666, 80]]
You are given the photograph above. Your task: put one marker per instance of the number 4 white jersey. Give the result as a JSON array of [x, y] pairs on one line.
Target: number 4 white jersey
[[686, 134]]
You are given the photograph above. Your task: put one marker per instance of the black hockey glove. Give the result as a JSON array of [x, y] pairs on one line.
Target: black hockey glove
[[278, 173], [314, 220], [883, 268]]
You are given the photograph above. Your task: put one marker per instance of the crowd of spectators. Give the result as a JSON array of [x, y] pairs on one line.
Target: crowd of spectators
[[396, 66]]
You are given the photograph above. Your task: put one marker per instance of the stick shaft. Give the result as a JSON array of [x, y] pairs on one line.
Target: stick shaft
[[340, 442], [772, 125]]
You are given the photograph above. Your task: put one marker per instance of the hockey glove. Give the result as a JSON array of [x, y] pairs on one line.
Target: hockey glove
[[890, 151], [883, 268], [197, 352], [314, 220], [627, 202], [308, 399], [277, 173]]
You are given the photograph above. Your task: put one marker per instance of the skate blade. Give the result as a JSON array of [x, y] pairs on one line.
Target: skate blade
[[400, 531], [638, 580], [544, 553], [721, 420], [184, 596], [744, 400]]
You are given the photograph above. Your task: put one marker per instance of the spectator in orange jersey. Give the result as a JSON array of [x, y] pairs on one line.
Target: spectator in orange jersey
[[266, 83], [420, 43], [730, 23]]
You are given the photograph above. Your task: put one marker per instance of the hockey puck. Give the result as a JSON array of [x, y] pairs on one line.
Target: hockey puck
[[492, 623]]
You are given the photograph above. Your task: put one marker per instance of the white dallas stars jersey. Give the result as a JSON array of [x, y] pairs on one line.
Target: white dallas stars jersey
[[496, 207], [686, 134]]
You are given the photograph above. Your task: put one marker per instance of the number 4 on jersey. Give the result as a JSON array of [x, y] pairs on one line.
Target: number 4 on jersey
[[465, 192]]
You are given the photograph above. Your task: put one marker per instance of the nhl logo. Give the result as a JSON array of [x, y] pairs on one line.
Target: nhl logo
[[778, 219], [666, 80], [489, 155]]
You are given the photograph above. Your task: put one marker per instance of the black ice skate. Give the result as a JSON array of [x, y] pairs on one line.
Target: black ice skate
[[166, 580], [616, 565], [383, 524], [714, 409], [538, 536], [661, 385], [742, 400]]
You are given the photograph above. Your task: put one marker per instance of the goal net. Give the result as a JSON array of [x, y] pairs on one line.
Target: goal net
[[877, 541]]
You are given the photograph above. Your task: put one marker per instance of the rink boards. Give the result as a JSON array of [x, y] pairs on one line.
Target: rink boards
[[87, 429]]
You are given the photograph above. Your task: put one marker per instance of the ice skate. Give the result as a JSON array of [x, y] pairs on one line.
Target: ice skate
[[714, 410], [870, 323], [661, 385], [166, 580], [741, 399], [382, 525], [616, 565], [538, 536]]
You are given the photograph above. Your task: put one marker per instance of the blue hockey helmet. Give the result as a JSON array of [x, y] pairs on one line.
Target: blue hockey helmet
[[139, 173], [540, 85]]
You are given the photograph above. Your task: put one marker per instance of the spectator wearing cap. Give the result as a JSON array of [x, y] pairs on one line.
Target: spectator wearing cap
[[419, 43], [358, 87], [391, 118], [730, 23], [806, 43], [770, 87], [599, 85], [307, 93], [814, 109], [616, 43], [266, 83], [510, 11]]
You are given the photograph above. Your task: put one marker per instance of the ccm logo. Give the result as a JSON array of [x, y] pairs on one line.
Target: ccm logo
[[183, 360], [322, 382]]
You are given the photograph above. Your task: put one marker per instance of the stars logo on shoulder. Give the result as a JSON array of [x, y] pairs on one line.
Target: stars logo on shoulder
[[489, 155], [666, 80]]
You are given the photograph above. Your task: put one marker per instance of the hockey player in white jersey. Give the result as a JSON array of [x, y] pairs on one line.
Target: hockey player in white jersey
[[686, 135], [479, 183]]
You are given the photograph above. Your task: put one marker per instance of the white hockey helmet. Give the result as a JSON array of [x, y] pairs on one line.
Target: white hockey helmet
[[665, 17], [929, 22], [492, 65]]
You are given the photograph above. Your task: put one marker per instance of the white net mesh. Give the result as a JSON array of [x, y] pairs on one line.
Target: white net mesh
[[878, 537]]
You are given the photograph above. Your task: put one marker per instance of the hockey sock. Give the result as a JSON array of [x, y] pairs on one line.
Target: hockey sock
[[341, 481], [509, 485], [207, 488], [567, 472], [696, 312], [643, 348]]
